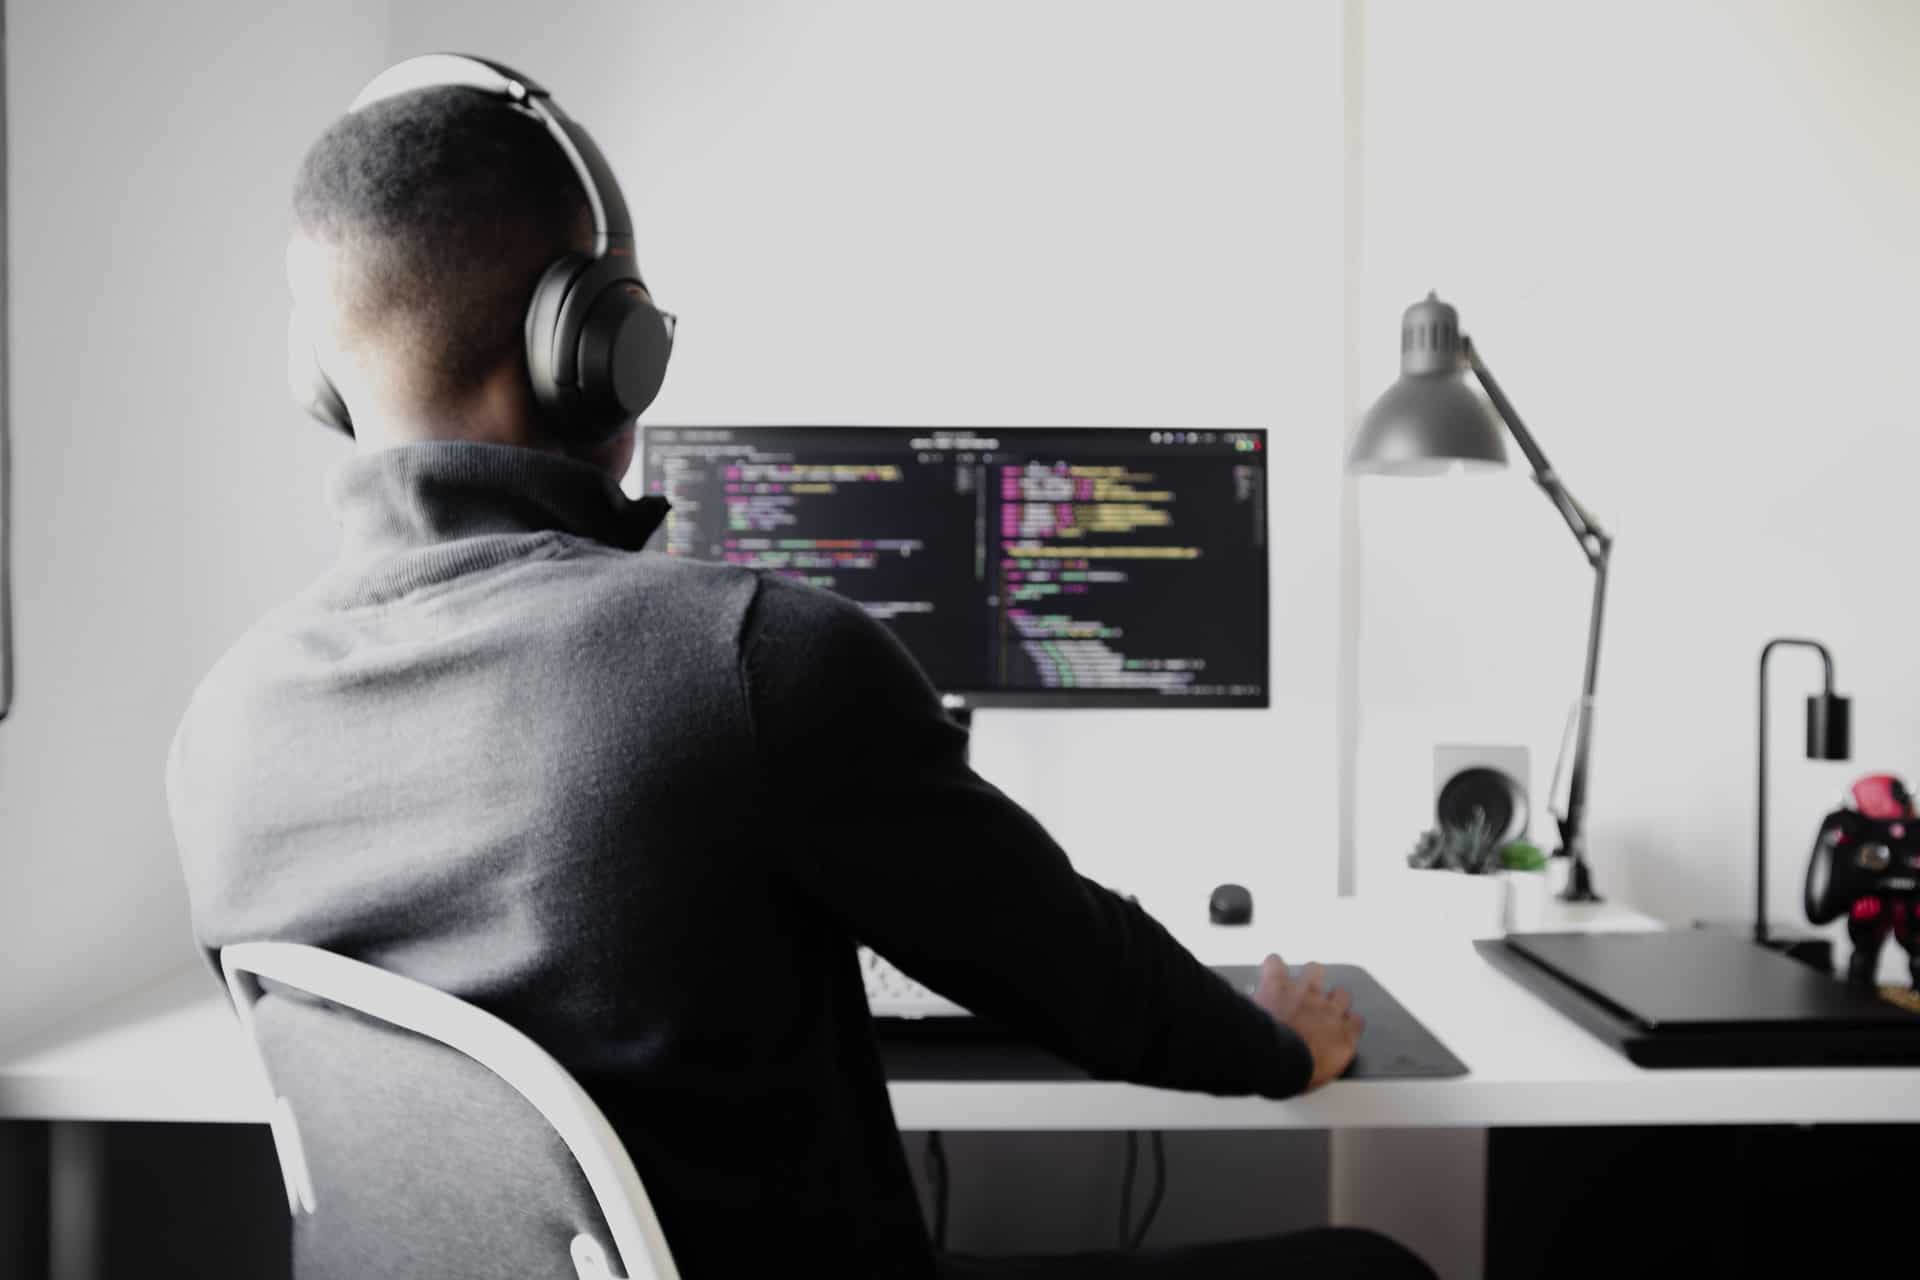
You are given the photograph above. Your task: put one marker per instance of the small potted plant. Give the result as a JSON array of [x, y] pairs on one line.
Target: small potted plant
[[1514, 870]]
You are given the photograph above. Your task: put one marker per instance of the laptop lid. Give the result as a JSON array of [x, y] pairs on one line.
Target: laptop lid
[[1704, 980]]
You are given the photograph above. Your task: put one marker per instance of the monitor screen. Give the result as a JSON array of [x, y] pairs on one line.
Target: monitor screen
[[1021, 566]]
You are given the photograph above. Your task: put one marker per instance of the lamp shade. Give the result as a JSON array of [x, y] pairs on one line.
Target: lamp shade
[[1431, 420], [1829, 727]]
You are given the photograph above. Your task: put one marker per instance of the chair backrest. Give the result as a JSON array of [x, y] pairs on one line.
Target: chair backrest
[[422, 1136]]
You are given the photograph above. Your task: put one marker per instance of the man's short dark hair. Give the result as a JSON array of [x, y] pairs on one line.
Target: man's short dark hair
[[446, 204]]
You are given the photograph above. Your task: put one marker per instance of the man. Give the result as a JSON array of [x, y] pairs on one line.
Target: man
[[643, 808]]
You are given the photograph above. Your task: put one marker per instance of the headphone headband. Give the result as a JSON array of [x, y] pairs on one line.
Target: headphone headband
[[612, 227]]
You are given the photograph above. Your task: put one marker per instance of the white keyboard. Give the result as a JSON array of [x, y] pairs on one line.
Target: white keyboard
[[892, 994]]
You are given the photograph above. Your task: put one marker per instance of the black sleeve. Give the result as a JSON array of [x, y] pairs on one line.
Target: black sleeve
[[887, 827]]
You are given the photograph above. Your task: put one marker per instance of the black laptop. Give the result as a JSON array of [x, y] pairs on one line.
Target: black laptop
[[1704, 998]]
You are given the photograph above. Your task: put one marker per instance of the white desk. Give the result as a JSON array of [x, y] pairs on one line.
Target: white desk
[[174, 1052]]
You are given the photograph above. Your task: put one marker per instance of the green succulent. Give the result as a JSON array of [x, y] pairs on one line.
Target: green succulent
[[1472, 847], [1521, 856]]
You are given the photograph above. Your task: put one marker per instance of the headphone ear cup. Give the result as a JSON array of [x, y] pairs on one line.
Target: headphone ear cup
[[597, 349], [624, 346], [552, 390], [312, 389]]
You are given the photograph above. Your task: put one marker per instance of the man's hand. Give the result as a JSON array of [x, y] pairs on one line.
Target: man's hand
[[1324, 1019]]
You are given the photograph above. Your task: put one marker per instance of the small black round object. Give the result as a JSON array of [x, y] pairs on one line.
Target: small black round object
[[1230, 904]]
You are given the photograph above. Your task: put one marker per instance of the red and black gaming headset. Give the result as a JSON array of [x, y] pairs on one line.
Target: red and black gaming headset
[[597, 348]]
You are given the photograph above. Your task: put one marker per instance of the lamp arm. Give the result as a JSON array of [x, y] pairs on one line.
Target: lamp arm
[[1573, 823], [1594, 541], [1597, 545]]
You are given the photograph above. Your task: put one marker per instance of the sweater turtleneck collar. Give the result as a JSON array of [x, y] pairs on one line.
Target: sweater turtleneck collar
[[427, 512]]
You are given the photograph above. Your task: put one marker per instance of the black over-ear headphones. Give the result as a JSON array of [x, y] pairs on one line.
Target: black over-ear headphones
[[597, 349]]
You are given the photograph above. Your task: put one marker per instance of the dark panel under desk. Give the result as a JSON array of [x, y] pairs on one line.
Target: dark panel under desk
[[199, 1200], [25, 1187], [1396, 1045], [1734, 1201]]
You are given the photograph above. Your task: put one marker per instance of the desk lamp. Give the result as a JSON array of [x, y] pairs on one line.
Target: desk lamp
[[1829, 730], [1431, 422]]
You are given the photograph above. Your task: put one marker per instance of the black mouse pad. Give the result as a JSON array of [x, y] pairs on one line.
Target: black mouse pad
[[1396, 1046]]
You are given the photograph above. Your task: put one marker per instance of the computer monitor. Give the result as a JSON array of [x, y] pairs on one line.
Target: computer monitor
[[1022, 567]]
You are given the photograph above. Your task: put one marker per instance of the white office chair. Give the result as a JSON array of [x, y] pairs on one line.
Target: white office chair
[[421, 1136]]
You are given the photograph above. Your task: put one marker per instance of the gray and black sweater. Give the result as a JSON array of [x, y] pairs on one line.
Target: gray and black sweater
[[643, 809]]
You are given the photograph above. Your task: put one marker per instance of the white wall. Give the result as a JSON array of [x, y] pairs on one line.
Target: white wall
[[164, 491], [1006, 213], [1681, 232], [1683, 235]]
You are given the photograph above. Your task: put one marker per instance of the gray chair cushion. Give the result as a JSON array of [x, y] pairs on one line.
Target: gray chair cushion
[[424, 1163]]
